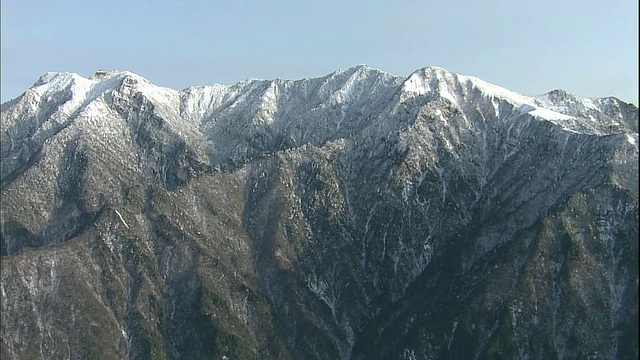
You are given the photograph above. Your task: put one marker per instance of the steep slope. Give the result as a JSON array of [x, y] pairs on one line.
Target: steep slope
[[355, 216]]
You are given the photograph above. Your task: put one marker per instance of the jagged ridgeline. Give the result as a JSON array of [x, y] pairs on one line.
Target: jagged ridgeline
[[360, 215]]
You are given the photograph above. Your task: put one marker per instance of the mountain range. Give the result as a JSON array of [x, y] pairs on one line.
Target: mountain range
[[360, 215]]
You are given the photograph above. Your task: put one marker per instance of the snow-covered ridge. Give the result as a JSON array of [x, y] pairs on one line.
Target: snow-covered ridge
[[573, 113], [97, 84], [360, 86], [454, 87]]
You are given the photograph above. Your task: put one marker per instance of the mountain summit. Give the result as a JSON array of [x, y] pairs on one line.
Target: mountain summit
[[359, 215]]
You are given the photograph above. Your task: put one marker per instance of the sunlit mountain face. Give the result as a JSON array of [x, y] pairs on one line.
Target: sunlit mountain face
[[360, 215]]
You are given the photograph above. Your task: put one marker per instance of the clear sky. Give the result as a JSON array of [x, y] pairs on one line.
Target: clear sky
[[587, 47]]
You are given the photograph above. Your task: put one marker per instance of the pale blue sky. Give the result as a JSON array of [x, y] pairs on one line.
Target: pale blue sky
[[587, 47]]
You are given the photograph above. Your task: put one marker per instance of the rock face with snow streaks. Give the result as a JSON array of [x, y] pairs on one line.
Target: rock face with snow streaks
[[359, 215]]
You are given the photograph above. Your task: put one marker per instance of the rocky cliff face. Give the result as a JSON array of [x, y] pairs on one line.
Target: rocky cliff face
[[355, 216]]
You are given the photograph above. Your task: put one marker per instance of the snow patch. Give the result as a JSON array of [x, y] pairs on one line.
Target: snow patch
[[549, 114], [416, 84], [121, 219]]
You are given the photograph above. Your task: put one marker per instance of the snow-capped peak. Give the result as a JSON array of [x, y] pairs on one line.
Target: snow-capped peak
[[88, 89], [433, 80], [359, 90], [455, 88]]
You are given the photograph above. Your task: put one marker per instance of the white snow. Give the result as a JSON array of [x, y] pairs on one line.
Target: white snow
[[498, 91], [212, 113], [447, 85], [572, 113], [121, 219], [549, 114], [416, 84]]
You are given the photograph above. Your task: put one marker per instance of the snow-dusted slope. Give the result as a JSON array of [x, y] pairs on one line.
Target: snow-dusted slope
[[352, 216], [255, 117]]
